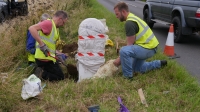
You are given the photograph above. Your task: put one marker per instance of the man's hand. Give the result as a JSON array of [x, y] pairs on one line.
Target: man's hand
[[62, 57], [117, 62], [44, 49]]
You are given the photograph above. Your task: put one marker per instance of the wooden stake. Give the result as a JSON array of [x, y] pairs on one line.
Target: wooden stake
[[117, 47], [142, 98]]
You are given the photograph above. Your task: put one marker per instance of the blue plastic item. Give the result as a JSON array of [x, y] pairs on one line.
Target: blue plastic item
[[122, 107], [93, 108]]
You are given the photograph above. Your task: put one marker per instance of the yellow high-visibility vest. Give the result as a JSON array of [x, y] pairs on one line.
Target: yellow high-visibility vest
[[145, 36], [31, 57], [50, 41]]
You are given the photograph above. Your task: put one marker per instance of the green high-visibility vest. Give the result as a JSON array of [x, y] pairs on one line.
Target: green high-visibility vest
[[50, 41], [31, 57], [145, 36]]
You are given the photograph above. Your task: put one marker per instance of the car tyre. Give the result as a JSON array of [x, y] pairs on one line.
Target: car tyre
[[2, 17], [177, 29], [147, 19]]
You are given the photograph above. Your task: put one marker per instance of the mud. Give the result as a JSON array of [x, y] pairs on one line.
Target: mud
[[70, 49], [72, 72]]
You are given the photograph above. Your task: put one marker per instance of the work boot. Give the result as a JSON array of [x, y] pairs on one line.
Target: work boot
[[163, 63], [38, 72], [128, 78]]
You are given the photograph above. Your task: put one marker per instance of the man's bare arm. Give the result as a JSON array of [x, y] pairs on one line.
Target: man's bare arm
[[130, 40], [34, 32]]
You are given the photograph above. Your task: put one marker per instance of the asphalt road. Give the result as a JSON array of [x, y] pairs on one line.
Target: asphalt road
[[188, 50]]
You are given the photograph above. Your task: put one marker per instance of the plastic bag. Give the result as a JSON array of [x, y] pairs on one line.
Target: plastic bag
[[107, 69], [91, 26], [122, 107], [109, 42], [31, 87]]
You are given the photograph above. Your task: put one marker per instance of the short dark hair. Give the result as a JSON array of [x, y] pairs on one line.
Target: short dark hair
[[61, 14], [121, 6]]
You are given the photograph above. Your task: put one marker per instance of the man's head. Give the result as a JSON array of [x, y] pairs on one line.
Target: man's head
[[60, 17], [45, 16], [121, 11]]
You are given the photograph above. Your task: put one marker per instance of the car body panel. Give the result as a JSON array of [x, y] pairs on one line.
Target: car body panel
[[12, 8], [3, 10], [166, 9], [181, 13], [186, 9], [155, 8]]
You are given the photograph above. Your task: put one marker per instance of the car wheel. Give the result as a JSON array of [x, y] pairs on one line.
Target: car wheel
[[177, 29], [2, 17], [147, 19]]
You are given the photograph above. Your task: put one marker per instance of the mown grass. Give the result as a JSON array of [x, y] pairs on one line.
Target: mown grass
[[169, 89]]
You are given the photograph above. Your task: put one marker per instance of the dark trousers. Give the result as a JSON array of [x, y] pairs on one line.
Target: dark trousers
[[51, 70]]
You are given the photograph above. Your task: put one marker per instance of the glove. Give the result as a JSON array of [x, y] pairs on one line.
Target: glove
[[123, 108], [44, 49], [61, 57], [64, 57]]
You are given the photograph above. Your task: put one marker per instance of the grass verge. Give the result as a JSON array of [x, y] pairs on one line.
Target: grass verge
[[169, 89]]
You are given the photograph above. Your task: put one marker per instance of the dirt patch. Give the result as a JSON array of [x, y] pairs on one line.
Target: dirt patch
[[70, 49], [72, 72]]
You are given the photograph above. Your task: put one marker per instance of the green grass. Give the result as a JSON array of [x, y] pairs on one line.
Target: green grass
[[169, 89]]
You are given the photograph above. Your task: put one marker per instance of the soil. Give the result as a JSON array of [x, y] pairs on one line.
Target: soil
[[70, 49], [72, 72]]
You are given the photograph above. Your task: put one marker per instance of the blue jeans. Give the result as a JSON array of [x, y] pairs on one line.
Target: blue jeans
[[133, 60]]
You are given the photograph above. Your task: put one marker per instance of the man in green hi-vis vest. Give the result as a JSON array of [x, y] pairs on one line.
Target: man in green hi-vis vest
[[141, 44], [46, 35]]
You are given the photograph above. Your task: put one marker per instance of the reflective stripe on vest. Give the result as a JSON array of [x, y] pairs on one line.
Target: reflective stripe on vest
[[145, 36], [50, 50], [50, 41]]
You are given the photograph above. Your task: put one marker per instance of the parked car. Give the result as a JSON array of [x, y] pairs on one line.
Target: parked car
[[3, 10], [183, 14], [11, 8]]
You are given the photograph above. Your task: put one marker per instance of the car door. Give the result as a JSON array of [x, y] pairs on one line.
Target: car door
[[166, 9], [155, 8]]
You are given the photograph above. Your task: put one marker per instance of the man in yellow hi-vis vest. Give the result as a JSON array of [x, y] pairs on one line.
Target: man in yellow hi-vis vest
[[141, 44], [46, 35], [30, 44]]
